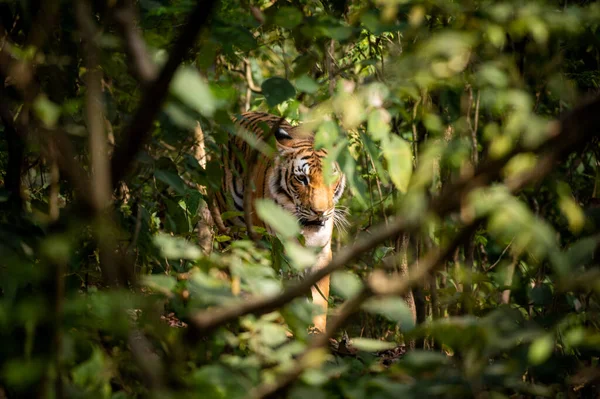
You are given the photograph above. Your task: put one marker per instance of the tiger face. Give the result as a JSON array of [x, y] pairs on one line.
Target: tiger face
[[299, 185]]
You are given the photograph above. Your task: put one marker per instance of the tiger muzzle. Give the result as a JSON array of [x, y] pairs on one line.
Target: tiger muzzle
[[317, 222]]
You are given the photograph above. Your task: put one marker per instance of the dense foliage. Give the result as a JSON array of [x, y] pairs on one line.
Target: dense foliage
[[468, 266]]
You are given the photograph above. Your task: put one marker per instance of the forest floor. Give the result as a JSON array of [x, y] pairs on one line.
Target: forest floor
[[342, 347]]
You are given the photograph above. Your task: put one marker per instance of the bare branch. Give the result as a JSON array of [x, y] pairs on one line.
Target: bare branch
[[566, 136], [378, 284], [154, 95], [140, 63], [102, 188]]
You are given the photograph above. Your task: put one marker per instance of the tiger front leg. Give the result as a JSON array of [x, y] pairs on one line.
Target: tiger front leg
[[320, 291]]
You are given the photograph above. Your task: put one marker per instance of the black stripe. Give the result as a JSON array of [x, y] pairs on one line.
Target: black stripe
[[281, 190], [239, 208]]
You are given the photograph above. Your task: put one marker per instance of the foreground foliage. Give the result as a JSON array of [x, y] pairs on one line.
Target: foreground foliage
[[439, 113]]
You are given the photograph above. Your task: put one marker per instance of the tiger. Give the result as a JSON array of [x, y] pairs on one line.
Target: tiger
[[293, 178]]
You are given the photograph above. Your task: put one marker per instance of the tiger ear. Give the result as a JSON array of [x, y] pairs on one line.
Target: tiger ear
[[282, 135], [284, 140]]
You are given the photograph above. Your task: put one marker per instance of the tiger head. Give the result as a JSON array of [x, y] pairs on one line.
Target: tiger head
[[298, 182]]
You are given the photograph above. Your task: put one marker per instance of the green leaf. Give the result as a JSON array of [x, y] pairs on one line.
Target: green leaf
[[160, 282], [346, 284], [350, 169], [541, 349], [398, 155], [288, 17], [371, 345], [300, 256], [339, 33], [277, 90], [424, 360], [278, 218], [23, 373], [326, 135], [218, 382], [432, 122], [176, 248], [394, 309], [307, 84], [172, 179], [46, 111], [378, 124], [188, 86], [93, 372]]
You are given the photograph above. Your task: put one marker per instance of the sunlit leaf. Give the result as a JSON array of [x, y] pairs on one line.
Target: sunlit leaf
[[47, 111], [160, 282], [278, 218], [394, 309], [398, 156], [307, 84], [379, 124], [301, 257], [191, 89], [346, 284], [572, 212], [371, 345], [176, 247], [541, 349], [288, 17]]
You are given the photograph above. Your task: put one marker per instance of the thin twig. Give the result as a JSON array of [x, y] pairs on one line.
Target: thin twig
[[379, 284], [140, 63], [567, 135], [101, 189], [154, 95]]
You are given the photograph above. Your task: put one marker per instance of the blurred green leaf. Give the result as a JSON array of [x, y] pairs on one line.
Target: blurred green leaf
[[160, 283], [394, 309], [172, 179], [379, 124], [371, 345], [306, 84], [176, 247], [399, 158], [47, 111], [346, 284], [288, 17], [192, 90], [278, 218], [541, 349], [277, 90]]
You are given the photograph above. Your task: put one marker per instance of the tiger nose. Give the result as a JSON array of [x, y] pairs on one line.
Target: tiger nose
[[318, 212]]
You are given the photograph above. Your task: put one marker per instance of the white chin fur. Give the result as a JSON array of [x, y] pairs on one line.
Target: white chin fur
[[318, 236]]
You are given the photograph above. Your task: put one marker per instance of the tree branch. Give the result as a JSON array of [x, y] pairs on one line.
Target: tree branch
[[100, 172], [154, 95], [140, 63], [380, 284], [566, 136]]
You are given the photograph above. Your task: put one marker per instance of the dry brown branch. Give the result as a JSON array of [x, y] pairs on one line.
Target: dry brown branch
[[247, 73], [44, 22], [565, 136], [53, 209], [154, 95], [378, 284], [140, 63], [205, 224], [16, 148], [98, 145]]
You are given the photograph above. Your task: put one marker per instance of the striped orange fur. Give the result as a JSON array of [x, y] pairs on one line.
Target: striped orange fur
[[292, 177]]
